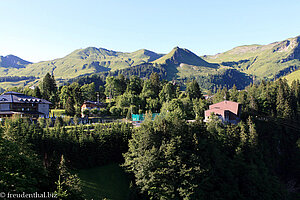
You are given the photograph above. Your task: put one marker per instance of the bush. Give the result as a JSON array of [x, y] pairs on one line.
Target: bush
[[115, 111], [95, 112]]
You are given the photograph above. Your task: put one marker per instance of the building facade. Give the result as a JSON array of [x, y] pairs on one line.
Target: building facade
[[14, 103], [91, 105]]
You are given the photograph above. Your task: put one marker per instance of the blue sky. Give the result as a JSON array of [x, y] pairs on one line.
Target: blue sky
[[37, 30]]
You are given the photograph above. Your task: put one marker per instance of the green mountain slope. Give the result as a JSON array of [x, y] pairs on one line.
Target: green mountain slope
[[87, 61], [270, 61], [263, 61], [182, 63], [180, 55], [293, 76]]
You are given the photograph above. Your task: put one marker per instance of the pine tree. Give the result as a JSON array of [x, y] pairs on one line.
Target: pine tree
[[280, 101], [155, 83], [46, 86], [128, 116], [70, 109], [122, 84], [252, 138], [49, 87], [233, 93], [294, 95], [37, 92], [68, 185]]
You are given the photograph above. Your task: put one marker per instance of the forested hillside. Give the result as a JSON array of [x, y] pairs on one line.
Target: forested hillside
[[165, 158]]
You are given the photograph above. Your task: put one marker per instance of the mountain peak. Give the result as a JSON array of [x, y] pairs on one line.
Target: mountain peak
[[180, 55], [92, 52], [12, 61]]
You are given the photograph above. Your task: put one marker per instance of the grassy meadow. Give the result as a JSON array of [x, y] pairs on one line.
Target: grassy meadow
[[105, 182]]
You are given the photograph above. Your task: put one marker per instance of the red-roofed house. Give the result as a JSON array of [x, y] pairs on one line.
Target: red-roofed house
[[91, 105], [227, 111]]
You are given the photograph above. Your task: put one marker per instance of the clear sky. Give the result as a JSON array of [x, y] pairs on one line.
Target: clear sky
[[37, 30]]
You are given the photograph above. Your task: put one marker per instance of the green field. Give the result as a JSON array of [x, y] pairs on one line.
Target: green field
[[57, 112], [105, 182]]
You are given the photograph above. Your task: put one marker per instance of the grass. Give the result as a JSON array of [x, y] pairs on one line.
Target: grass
[[293, 76], [109, 181], [57, 112], [22, 83], [260, 60]]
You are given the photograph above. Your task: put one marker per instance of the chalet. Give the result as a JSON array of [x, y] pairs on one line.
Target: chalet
[[91, 105], [14, 103], [227, 111]]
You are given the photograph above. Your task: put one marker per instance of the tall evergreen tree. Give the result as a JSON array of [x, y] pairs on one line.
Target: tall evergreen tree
[[69, 108], [47, 86], [37, 92], [193, 90], [281, 101], [49, 89], [121, 84], [233, 93], [68, 185], [155, 83]]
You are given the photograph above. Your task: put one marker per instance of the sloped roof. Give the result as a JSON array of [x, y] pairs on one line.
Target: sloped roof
[[100, 104], [216, 111], [15, 97], [226, 105]]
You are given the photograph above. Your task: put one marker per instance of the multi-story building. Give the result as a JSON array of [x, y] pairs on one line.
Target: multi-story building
[[14, 103]]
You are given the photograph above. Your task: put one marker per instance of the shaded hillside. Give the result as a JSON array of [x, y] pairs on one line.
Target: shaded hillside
[[11, 62], [88, 61], [142, 70], [263, 61], [224, 78]]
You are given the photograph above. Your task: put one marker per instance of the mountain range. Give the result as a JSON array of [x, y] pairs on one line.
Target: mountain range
[[260, 61], [263, 61]]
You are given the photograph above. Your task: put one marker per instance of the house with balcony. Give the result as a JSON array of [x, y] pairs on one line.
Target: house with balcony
[[14, 103]]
